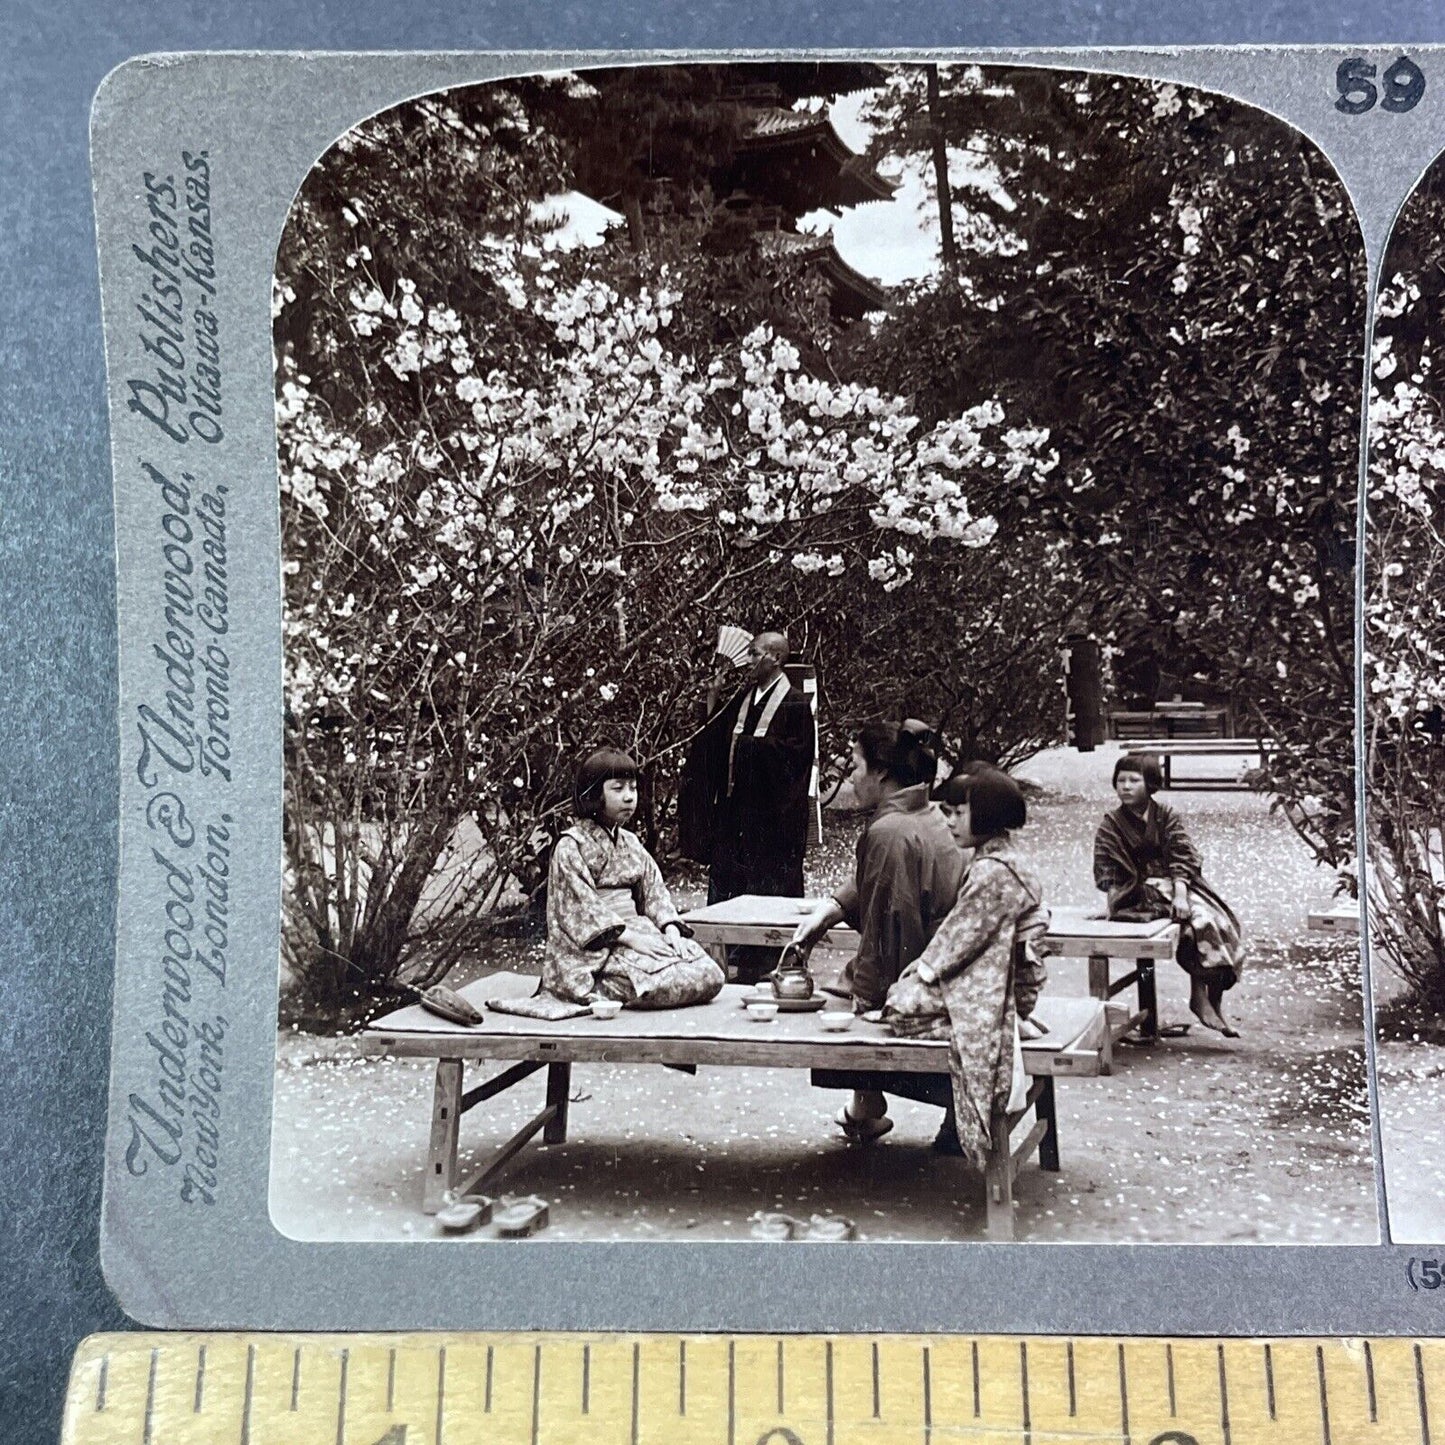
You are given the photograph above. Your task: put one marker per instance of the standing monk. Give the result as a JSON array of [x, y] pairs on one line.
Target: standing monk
[[752, 766]]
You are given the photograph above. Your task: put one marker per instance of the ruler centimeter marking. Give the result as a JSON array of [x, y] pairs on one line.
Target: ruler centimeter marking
[[220, 1389], [341, 1399], [1223, 1394], [151, 1396], [828, 1387], [1420, 1392], [248, 1395], [441, 1392], [1124, 1396], [733, 1392], [927, 1397], [536, 1394], [1024, 1387]]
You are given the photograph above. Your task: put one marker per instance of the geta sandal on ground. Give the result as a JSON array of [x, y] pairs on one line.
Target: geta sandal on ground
[[862, 1131], [1137, 1039]]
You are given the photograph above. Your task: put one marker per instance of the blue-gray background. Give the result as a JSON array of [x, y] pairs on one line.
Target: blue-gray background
[[57, 631]]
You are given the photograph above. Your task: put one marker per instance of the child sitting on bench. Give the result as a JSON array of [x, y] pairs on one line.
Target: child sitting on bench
[[612, 928]]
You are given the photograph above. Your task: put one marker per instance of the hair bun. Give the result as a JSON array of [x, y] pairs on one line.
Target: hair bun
[[912, 728], [913, 757]]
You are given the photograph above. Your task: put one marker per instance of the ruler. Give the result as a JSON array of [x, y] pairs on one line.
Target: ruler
[[556, 1389]]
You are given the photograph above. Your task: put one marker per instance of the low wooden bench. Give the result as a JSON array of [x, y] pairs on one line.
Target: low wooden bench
[[1074, 934], [1167, 749], [716, 1034], [765, 922]]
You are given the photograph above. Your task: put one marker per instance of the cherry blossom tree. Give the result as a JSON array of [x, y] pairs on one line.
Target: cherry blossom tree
[[505, 554], [1405, 616], [1172, 283]]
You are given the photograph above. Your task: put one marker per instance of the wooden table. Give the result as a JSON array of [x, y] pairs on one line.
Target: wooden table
[[717, 1034], [766, 922]]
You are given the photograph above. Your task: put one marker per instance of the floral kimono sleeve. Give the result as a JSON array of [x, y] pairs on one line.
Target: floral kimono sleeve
[[987, 903], [573, 904], [657, 901], [1183, 856], [1030, 972]]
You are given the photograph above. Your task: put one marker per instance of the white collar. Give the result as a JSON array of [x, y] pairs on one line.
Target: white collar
[[759, 693]]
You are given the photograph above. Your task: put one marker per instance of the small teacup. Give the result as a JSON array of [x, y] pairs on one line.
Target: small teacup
[[762, 1012], [605, 1008], [835, 1021]]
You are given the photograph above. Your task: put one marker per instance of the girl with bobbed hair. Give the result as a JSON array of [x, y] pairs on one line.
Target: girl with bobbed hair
[[1147, 865], [613, 930], [976, 983], [905, 878], [1146, 765]]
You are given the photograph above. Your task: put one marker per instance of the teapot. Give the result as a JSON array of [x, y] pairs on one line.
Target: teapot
[[791, 979]]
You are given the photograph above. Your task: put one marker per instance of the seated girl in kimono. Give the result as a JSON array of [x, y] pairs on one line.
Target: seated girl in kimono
[[904, 881], [1146, 863], [612, 928], [976, 983]]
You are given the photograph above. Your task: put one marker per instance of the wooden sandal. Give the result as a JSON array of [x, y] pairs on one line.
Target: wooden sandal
[[862, 1131]]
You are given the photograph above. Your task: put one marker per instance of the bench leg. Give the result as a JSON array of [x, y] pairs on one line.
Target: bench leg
[[999, 1179], [1046, 1111], [559, 1086], [446, 1117], [1148, 999], [1099, 989], [1099, 977]]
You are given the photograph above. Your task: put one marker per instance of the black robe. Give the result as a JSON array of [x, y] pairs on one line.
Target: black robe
[[753, 838]]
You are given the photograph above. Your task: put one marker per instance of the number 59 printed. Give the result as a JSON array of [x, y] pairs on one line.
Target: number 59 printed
[[1403, 84]]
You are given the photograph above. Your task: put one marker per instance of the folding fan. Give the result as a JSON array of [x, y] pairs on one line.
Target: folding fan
[[733, 644]]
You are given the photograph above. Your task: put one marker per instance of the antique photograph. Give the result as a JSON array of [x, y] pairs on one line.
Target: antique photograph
[[819, 615], [1405, 714]]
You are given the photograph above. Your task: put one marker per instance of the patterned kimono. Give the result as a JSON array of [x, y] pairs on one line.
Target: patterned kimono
[[600, 883], [1136, 861], [988, 973], [904, 882]]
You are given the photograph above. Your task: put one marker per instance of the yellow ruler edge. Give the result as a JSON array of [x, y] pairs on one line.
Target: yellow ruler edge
[[668, 1389]]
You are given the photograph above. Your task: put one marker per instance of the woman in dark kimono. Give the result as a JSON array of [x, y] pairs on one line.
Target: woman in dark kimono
[[905, 880], [1146, 863]]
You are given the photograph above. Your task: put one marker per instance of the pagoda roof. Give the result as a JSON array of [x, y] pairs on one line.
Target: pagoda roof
[[854, 294], [855, 182]]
